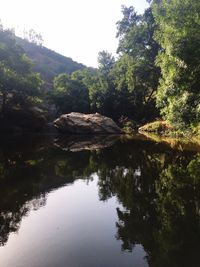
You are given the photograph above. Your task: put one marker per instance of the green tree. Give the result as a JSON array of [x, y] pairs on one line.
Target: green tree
[[178, 34], [69, 94], [18, 84], [138, 51], [105, 62], [102, 93]]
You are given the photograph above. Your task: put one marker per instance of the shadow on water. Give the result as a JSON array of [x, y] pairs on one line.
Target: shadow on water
[[158, 187], [178, 143]]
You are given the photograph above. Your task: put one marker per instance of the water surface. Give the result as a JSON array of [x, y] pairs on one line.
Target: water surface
[[98, 202]]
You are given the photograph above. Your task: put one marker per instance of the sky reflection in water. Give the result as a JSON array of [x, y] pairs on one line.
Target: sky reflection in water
[[133, 203]]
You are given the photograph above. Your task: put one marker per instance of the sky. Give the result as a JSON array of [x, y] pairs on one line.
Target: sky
[[75, 28]]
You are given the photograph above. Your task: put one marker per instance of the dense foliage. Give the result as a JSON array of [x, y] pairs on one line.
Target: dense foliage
[[178, 34], [19, 86], [69, 94], [125, 87], [47, 62], [156, 73]]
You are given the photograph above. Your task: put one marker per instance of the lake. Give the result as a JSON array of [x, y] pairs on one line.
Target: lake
[[98, 201]]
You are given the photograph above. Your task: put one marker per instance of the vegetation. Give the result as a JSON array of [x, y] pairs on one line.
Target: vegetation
[[156, 127], [155, 79], [178, 94], [19, 86], [156, 74], [47, 62], [69, 94]]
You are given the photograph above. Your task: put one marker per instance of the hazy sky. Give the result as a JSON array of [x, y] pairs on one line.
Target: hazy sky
[[75, 28]]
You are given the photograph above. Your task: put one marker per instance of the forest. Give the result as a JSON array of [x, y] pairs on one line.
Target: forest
[[155, 77]]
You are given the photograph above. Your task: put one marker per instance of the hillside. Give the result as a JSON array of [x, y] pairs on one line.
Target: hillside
[[48, 62]]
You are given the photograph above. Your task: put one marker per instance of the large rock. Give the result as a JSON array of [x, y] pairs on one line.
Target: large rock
[[86, 124]]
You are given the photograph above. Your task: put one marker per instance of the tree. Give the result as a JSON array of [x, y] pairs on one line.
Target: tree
[[138, 50], [69, 94], [105, 62], [18, 84], [99, 83], [178, 34], [33, 37]]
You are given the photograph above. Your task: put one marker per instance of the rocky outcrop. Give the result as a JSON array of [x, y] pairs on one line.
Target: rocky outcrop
[[79, 123]]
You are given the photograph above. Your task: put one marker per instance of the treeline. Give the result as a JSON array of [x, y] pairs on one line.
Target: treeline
[[47, 62], [19, 85], [125, 87], [156, 74]]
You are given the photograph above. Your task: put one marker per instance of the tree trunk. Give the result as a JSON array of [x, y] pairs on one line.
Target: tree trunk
[[149, 97]]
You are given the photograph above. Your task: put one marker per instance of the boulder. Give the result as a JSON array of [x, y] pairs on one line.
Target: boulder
[[79, 123]]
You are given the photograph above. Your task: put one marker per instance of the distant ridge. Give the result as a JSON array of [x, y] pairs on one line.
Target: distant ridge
[[47, 62]]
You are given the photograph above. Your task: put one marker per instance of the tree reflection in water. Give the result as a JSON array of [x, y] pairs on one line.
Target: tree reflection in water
[[158, 188]]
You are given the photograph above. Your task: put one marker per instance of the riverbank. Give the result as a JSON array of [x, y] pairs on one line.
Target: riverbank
[[165, 129]]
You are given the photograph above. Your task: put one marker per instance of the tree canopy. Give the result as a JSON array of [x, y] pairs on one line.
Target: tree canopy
[[155, 74], [178, 33], [18, 84]]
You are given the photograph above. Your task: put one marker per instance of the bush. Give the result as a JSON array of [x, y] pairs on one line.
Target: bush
[[156, 127], [127, 125]]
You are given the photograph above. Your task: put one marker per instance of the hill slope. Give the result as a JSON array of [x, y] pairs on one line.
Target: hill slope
[[48, 62]]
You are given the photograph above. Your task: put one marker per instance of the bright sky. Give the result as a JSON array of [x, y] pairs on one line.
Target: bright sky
[[75, 28]]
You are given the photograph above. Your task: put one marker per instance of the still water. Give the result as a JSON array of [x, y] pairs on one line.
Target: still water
[[100, 201]]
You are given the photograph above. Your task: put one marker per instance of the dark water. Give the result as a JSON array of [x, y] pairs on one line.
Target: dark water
[[130, 203]]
